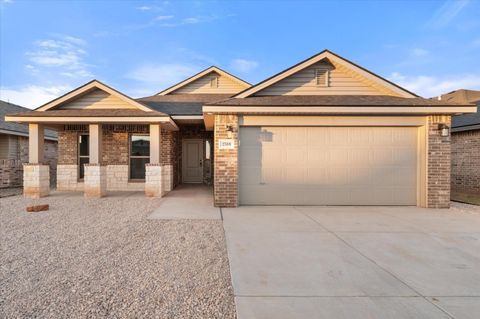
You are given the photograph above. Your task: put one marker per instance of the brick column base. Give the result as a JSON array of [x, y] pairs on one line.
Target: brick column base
[[95, 181], [36, 180], [153, 180]]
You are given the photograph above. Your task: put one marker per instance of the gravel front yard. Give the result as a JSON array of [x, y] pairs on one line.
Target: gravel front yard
[[103, 258]]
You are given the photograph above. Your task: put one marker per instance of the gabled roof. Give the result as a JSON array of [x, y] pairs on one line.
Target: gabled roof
[[334, 58], [200, 75], [181, 104], [86, 88], [464, 122], [17, 128]]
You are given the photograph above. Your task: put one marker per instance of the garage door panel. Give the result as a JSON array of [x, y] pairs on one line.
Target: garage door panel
[[328, 165]]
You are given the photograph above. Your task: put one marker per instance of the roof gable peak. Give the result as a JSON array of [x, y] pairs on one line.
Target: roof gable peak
[[239, 82], [334, 59], [87, 88]]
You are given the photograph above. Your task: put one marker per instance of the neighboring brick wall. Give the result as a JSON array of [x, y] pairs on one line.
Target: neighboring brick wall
[[466, 162], [11, 171], [226, 163], [438, 163]]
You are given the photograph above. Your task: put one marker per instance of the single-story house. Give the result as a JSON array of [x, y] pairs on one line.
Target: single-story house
[[14, 148], [323, 132], [465, 144]]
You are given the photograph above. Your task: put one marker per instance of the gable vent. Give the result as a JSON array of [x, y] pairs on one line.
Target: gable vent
[[214, 82], [322, 77]]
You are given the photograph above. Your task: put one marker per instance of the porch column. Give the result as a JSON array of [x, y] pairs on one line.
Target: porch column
[[36, 175], [95, 179], [154, 169]]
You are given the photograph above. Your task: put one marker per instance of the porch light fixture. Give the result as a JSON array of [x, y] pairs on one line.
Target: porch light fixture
[[230, 130], [444, 130]]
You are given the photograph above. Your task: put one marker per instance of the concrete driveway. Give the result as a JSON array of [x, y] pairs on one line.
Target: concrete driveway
[[354, 262]]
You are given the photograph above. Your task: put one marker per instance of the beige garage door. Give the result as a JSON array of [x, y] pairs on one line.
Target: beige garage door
[[328, 165]]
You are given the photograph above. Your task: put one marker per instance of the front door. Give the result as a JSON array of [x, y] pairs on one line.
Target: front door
[[192, 161]]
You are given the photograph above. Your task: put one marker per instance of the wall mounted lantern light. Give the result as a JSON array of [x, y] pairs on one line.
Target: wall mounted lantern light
[[230, 130], [444, 130]]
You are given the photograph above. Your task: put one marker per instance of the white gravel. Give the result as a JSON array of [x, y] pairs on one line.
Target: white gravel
[[464, 208], [103, 258]]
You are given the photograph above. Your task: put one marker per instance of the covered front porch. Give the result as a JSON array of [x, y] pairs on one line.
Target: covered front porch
[[97, 158]]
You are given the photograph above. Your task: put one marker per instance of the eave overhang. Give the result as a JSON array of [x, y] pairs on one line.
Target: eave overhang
[[165, 121], [210, 110]]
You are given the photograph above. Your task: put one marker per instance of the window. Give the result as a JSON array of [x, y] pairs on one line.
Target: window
[[83, 154], [322, 77], [139, 155], [214, 82]]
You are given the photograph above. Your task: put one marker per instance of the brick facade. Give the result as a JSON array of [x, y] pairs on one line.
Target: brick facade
[[438, 168], [11, 170], [226, 162], [466, 162]]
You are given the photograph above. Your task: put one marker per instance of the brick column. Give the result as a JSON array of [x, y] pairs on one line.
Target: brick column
[[36, 180], [95, 180], [167, 159], [153, 180], [226, 162], [438, 195]]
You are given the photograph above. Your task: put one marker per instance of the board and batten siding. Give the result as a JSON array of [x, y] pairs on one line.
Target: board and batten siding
[[203, 86], [342, 81], [97, 99]]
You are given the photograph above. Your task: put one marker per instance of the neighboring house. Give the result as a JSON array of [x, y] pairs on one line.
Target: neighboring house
[[465, 144], [14, 148], [322, 132]]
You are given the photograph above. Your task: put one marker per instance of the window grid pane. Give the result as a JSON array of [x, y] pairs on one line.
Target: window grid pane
[[139, 156]]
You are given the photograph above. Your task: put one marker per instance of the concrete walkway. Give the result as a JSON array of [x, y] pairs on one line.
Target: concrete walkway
[[354, 262], [187, 201]]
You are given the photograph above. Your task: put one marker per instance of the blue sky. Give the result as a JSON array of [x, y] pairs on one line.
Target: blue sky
[[141, 47]]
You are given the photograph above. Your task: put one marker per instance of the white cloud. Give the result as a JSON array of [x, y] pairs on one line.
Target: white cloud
[[190, 20], [242, 65], [444, 15], [32, 96], [429, 86], [144, 8], [419, 52], [63, 54], [160, 76], [161, 18]]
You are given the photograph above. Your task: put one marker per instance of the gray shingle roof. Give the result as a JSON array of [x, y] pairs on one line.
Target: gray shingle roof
[[181, 104], [333, 100], [8, 109], [465, 122]]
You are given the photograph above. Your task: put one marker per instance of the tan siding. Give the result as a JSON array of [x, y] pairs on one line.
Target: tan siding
[[341, 82], [97, 99], [202, 85]]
